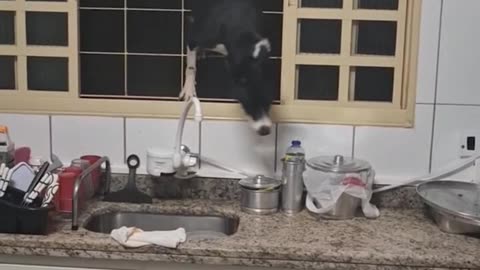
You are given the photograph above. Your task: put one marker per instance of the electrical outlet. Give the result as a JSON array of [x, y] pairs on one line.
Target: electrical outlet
[[469, 144]]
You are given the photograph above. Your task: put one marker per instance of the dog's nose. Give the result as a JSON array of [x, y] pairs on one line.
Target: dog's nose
[[263, 130]]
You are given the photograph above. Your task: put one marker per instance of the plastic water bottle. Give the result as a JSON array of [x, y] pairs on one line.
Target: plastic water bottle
[[295, 151]]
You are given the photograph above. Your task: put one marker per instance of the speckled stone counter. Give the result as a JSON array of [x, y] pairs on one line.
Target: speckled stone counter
[[399, 239]]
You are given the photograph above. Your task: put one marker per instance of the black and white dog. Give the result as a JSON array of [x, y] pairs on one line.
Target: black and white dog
[[233, 28]]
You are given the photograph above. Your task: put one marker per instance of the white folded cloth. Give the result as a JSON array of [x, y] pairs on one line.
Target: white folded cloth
[[135, 237]]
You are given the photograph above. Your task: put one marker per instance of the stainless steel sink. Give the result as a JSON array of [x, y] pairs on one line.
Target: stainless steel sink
[[195, 226]]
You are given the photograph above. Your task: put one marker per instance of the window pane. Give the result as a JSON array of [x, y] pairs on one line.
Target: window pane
[[375, 37], [213, 79], [7, 27], [265, 5], [320, 36], [189, 4], [322, 3], [273, 31], [378, 4], [159, 4], [317, 82], [373, 83], [153, 42], [103, 3], [102, 30], [156, 76], [7, 71], [47, 73], [102, 74], [154, 32], [270, 5], [273, 73], [47, 28]]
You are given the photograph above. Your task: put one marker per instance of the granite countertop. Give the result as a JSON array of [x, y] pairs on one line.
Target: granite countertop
[[399, 239]]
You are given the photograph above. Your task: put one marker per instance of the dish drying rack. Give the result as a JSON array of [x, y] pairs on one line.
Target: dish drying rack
[[20, 219]]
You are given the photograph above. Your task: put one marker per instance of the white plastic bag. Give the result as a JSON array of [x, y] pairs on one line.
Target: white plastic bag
[[326, 189]]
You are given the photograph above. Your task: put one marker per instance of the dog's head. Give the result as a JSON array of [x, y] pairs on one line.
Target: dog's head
[[251, 87]]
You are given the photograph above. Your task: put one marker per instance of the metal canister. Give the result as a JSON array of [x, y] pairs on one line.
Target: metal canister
[[260, 195], [292, 185]]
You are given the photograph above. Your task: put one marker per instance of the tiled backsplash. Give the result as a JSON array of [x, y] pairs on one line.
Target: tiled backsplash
[[446, 105]]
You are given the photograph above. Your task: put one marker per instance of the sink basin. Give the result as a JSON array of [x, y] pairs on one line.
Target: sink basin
[[213, 226]]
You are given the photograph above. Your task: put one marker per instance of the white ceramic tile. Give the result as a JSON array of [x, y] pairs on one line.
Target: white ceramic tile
[[317, 140], [29, 130], [458, 63], [450, 122], [428, 51], [236, 145], [142, 134], [397, 154], [74, 136]]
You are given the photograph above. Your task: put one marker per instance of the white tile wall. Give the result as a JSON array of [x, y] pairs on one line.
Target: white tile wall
[[29, 130], [459, 55], [395, 153], [450, 122], [316, 139], [235, 144], [74, 136], [142, 134], [427, 61]]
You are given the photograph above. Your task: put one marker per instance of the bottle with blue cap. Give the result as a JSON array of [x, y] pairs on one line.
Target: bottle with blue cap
[[295, 151]]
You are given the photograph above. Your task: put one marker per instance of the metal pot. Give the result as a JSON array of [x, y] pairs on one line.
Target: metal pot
[[346, 208], [453, 205], [260, 195], [340, 167]]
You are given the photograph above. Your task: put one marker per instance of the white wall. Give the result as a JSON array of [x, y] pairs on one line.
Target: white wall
[[447, 103]]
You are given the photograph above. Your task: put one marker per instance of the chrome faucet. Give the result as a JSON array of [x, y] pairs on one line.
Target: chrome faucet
[[78, 182]]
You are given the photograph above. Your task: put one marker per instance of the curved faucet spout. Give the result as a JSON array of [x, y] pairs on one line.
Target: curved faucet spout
[[181, 160]]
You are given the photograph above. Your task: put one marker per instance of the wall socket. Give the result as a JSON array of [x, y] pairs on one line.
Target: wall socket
[[469, 143]]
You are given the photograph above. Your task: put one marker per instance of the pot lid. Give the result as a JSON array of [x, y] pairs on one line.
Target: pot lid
[[260, 182], [338, 164], [460, 199]]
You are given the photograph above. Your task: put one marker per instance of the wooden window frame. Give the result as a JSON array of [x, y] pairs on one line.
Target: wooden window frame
[[400, 113]]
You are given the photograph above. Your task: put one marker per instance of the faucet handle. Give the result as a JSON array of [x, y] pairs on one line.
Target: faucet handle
[[190, 160]]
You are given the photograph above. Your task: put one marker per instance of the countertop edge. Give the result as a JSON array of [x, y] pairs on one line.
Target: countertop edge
[[203, 259]]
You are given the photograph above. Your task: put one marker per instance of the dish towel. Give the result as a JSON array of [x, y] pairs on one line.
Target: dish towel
[[135, 237]]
